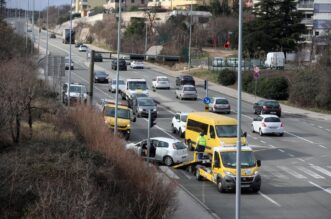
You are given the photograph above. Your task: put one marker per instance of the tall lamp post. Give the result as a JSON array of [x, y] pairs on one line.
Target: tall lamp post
[[117, 67], [190, 41], [46, 63], [69, 75]]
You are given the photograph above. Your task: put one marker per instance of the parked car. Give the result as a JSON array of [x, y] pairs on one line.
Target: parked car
[[67, 63], [184, 80], [268, 124], [82, 48], [187, 92], [142, 105], [122, 64], [78, 44], [137, 64], [178, 124], [100, 76], [219, 105], [98, 57], [121, 85], [160, 82], [134, 97], [267, 107], [165, 150], [52, 35]]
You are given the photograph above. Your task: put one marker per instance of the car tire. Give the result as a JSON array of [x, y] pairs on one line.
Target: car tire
[[195, 98], [190, 146], [180, 97], [220, 187], [197, 174], [252, 128], [167, 160], [281, 134], [260, 132], [173, 129], [180, 133]]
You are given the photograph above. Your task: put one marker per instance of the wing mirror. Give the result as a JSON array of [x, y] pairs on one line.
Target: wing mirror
[[258, 163], [245, 134]]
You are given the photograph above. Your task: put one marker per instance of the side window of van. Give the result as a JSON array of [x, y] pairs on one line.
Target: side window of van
[[197, 126], [212, 131]]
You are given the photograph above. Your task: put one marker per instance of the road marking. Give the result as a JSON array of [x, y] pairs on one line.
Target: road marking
[[320, 127], [312, 124], [322, 170], [169, 172], [300, 137], [309, 172], [291, 155], [203, 192], [186, 175], [292, 172], [263, 142], [169, 111], [269, 199], [281, 150], [328, 190], [329, 130], [302, 160], [322, 146], [246, 116], [271, 146]]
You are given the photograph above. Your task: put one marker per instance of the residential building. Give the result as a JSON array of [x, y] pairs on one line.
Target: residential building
[[83, 6], [176, 4], [322, 21], [126, 5], [307, 8]]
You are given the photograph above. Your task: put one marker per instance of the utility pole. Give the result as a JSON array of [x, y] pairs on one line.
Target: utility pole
[[70, 40], [146, 38], [238, 167], [33, 36], [46, 63], [118, 62], [190, 41]]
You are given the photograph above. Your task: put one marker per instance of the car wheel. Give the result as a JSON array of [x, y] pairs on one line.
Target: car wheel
[[190, 146], [167, 161], [256, 190], [220, 187], [195, 98], [173, 129], [180, 97], [281, 134], [260, 132], [279, 115], [252, 128], [180, 133], [197, 174]]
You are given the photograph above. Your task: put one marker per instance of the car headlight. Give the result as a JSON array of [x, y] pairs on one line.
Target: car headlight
[[229, 173], [128, 125], [140, 109]]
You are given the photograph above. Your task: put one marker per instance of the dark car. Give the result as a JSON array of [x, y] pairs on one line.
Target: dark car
[[267, 107], [98, 57], [52, 35], [185, 80], [133, 99], [142, 105], [100, 76], [78, 44], [122, 64]]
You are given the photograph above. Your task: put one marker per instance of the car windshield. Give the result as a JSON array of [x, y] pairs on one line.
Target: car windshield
[[162, 79], [180, 145], [121, 113], [272, 119], [101, 73], [226, 130], [183, 118], [119, 82], [221, 101], [77, 89], [145, 102], [137, 85], [188, 78], [247, 159], [189, 89], [271, 103]]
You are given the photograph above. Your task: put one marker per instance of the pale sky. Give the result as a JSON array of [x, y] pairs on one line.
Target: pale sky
[[39, 4]]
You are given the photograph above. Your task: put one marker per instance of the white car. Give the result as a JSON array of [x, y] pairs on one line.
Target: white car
[[268, 124], [161, 82], [121, 85], [165, 150], [137, 64], [178, 124], [82, 48]]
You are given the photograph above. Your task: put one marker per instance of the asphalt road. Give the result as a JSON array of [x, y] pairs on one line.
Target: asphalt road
[[296, 168]]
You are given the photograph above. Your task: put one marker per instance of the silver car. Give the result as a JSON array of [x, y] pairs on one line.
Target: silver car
[[187, 92], [142, 105], [165, 150], [219, 105]]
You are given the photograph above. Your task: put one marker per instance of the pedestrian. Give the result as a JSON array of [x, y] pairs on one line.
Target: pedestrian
[[201, 145]]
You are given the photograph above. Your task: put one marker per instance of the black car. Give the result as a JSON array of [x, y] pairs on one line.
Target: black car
[[267, 107], [98, 57], [100, 76], [52, 35], [132, 101], [122, 64], [185, 80]]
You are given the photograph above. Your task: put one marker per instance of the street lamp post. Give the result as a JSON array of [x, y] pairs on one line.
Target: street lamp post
[[69, 75], [118, 61], [190, 41], [46, 63]]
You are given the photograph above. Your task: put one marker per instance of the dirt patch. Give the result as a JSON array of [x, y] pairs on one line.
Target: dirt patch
[[214, 52]]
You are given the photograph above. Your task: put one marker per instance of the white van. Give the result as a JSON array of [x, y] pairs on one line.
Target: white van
[[275, 60]]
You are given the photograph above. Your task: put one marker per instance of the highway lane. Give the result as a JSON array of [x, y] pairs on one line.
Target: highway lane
[[295, 168]]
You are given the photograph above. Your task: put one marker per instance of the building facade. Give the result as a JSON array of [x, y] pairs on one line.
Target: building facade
[[126, 5], [176, 4], [83, 6]]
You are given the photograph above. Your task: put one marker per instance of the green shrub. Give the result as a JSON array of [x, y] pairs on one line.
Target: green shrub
[[273, 88], [247, 80], [227, 77]]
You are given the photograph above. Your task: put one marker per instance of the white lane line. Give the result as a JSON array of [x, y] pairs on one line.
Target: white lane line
[[281, 150], [322, 146], [320, 127], [263, 142], [169, 111], [292, 172], [322, 170], [300, 137], [300, 159], [186, 175], [269, 199], [309, 172], [328, 190], [271, 146], [169, 172], [329, 130], [291, 155], [312, 124], [164, 131]]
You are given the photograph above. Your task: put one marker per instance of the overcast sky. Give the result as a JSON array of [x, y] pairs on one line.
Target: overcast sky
[[39, 4]]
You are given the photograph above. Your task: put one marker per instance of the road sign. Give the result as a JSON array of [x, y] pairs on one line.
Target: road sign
[[256, 72], [206, 100]]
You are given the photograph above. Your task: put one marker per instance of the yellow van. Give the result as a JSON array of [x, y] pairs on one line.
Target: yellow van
[[218, 129]]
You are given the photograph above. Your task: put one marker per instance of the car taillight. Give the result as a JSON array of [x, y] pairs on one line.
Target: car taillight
[[174, 146], [265, 107], [263, 124], [282, 125]]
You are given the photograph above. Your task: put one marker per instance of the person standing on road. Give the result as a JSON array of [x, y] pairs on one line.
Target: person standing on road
[[201, 145]]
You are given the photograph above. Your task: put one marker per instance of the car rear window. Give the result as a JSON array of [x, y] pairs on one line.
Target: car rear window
[[162, 79], [272, 103], [183, 118], [189, 78], [180, 145], [222, 101], [272, 119], [189, 89]]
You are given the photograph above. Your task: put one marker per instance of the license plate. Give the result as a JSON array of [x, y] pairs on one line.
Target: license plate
[[183, 157], [273, 112], [245, 186], [273, 127]]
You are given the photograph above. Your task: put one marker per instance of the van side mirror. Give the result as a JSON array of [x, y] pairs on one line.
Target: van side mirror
[[258, 163], [134, 119], [245, 134]]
